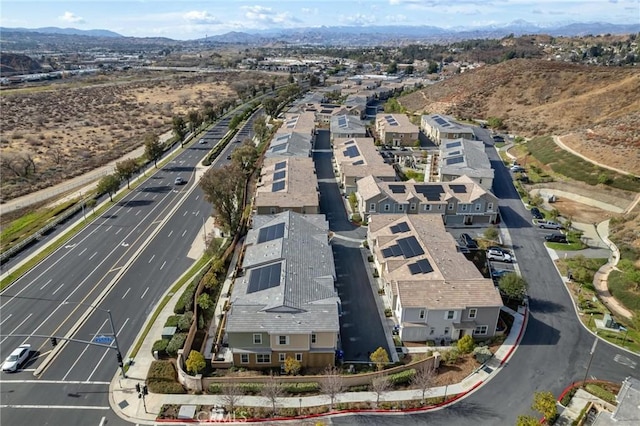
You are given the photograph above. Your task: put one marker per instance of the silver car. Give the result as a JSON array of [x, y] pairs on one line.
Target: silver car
[[548, 224], [17, 357]]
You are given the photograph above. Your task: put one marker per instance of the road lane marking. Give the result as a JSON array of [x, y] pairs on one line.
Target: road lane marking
[[170, 233], [17, 327], [70, 246], [55, 382], [46, 284], [118, 231], [53, 407], [125, 293], [185, 213], [145, 292], [138, 212], [102, 421], [197, 213], [93, 255], [107, 350], [6, 318], [621, 359], [152, 257], [184, 232], [57, 289], [197, 198], [82, 252], [108, 228], [163, 263], [83, 351]]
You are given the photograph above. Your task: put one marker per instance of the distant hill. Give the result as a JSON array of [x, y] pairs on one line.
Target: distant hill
[[14, 63], [65, 31]]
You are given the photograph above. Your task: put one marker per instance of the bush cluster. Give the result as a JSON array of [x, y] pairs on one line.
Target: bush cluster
[[172, 321], [185, 303], [402, 377], [160, 346], [162, 378], [301, 387], [176, 343], [185, 321]]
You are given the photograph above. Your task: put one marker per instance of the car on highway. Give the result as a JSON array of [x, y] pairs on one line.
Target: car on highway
[[499, 255], [466, 241], [202, 141], [556, 238], [549, 224], [229, 157], [17, 358], [536, 213], [179, 181]]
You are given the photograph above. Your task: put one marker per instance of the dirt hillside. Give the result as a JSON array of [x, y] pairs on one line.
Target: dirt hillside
[[598, 106]]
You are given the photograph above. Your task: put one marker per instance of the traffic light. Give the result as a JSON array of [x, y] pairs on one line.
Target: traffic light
[[54, 341], [145, 390], [138, 387], [119, 357]]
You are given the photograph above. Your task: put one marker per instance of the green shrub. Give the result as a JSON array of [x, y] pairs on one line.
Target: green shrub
[[595, 389], [402, 377], [251, 388], [176, 343], [388, 312], [466, 344], [162, 378], [160, 346], [172, 321], [359, 388], [482, 354], [185, 303], [215, 388], [566, 399], [452, 356], [301, 387], [185, 321]]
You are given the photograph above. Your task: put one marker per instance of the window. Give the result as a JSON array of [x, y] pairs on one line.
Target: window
[[432, 331], [478, 207], [282, 356], [314, 338], [473, 312], [489, 206], [400, 207], [451, 314], [273, 210], [480, 181], [257, 339], [450, 206], [244, 358], [299, 357], [421, 313], [464, 207], [413, 206], [446, 330], [481, 329], [439, 206], [372, 207], [427, 207], [263, 358], [386, 207], [283, 340]]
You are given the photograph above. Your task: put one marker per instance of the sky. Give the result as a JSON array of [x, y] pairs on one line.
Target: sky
[[185, 20]]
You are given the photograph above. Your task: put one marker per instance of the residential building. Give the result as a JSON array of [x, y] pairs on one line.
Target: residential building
[[356, 158], [347, 126], [463, 157], [435, 293], [287, 183], [461, 201], [626, 409], [290, 144], [396, 129], [303, 123], [438, 128], [284, 303]]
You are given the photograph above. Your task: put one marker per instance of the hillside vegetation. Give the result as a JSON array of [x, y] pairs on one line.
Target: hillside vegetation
[[598, 106]]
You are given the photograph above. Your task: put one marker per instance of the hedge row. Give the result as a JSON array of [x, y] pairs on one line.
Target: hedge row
[[256, 388], [301, 387], [402, 377], [176, 343], [162, 378]]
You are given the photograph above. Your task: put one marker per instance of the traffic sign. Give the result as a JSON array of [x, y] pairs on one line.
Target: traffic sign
[[105, 340]]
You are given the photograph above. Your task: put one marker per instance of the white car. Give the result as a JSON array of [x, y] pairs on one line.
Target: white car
[[179, 181], [202, 141], [17, 357], [516, 168], [548, 224], [499, 255]]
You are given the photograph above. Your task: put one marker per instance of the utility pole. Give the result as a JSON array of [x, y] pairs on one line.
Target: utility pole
[[593, 350], [115, 340]]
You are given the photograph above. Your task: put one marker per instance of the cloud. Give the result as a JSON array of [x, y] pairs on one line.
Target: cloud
[[309, 11], [265, 16], [200, 17], [71, 18], [358, 19], [397, 18]]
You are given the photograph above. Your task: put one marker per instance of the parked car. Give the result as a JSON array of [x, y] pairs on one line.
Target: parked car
[[17, 358], [499, 255], [498, 138], [517, 169], [549, 224], [556, 238], [536, 213], [202, 141], [466, 241], [499, 273], [179, 181]]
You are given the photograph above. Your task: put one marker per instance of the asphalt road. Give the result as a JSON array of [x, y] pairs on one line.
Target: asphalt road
[[140, 246], [555, 348]]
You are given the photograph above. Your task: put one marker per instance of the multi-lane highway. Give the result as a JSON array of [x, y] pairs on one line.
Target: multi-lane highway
[[122, 262]]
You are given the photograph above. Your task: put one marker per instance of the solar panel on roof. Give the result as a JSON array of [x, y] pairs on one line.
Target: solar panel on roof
[[453, 144], [422, 266], [342, 122], [397, 189], [351, 152], [455, 160], [277, 186], [358, 163], [264, 278], [441, 121], [270, 233], [410, 247], [281, 165], [279, 175], [401, 227], [280, 147], [458, 189], [430, 192], [454, 153]]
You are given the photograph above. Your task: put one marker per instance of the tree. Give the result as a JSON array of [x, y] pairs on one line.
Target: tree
[[433, 67], [272, 390], [270, 106], [527, 421], [292, 366], [332, 384], [231, 396], [495, 122], [235, 121], [513, 286], [109, 185], [152, 148], [466, 344], [424, 378], [260, 128], [553, 214], [126, 168], [380, 385], [379, 357], [195, 363], [392, 68], [545, 403], [194, 119], [204, 301], [223, 188], [491, 233], [409, 70], [179, 128]]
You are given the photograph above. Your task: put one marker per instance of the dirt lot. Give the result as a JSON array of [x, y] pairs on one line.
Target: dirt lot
[[67, 128]]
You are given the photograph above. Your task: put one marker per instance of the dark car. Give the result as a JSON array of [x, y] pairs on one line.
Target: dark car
[[535, 212], [466, 241], [556, 238]]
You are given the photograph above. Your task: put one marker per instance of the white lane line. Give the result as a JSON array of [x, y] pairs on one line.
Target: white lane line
[[197, 213], [58, 289], [185, 213], [56, 382], [102, 421], [151, 260], [126, 292], [118, 231], [45, 284], [170, 233], [6, 318], [129, 210], [53, 407], [184, 232], [82, 252], [155, 196], [83, 351], [99, 364], [163, 263], [17, 327], [138, 212], [108, 228], [145, 292], [197, 198], [93, 255]]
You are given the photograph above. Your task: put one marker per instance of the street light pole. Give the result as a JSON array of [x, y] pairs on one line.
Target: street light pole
[[593, 350], [115, 340]]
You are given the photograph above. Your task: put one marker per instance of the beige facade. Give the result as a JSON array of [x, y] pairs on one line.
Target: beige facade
[[287, 183], [440, 128], [356, 158], [396, 129]]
